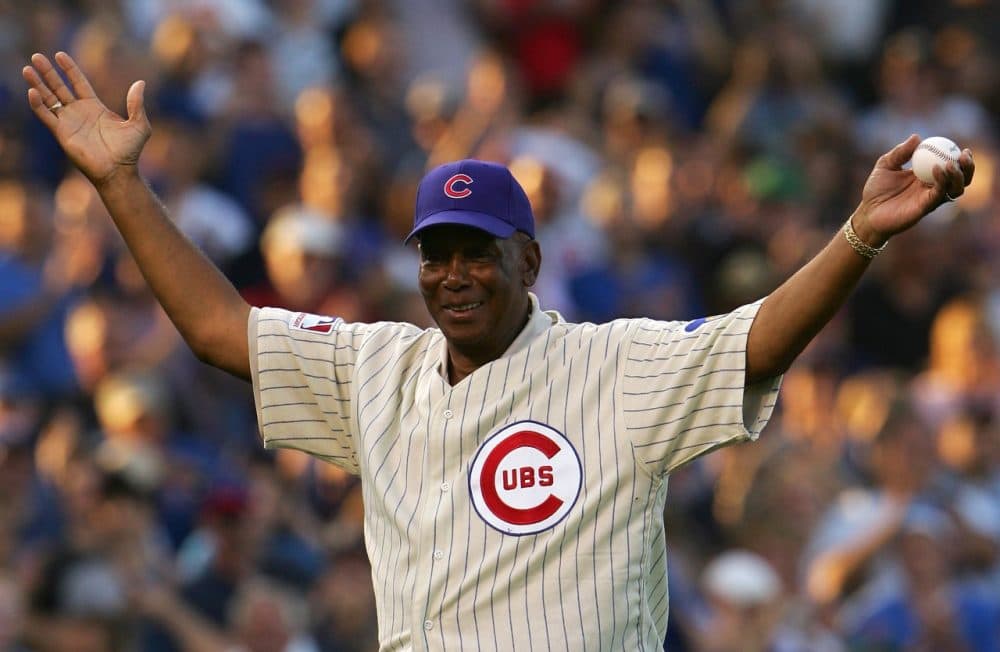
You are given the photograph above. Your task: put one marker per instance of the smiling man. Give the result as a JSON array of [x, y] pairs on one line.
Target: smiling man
[[514, 465], [478, 256]]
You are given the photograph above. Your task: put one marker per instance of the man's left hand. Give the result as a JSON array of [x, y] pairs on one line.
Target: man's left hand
[[894, 199]]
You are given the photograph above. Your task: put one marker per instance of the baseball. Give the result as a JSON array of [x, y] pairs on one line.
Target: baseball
[[932, 151]]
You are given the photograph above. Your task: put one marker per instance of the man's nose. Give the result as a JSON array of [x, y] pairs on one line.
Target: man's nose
[[457, 272]]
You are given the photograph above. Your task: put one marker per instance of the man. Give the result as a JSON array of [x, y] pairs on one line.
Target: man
[[513, 465]]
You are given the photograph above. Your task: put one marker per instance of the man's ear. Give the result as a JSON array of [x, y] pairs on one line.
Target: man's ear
[[531, 262]]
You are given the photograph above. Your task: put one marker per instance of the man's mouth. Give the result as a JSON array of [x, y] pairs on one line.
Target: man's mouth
[[462, 308]]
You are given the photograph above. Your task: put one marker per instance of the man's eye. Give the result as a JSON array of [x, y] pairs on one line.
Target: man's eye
[[479, 254], [435, 257]]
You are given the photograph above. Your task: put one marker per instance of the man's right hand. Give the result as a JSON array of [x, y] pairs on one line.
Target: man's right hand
[[97, 140], [204, 306]]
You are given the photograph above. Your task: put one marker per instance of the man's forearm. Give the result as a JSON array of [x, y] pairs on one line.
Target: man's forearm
[[795, 312], [201, 302]]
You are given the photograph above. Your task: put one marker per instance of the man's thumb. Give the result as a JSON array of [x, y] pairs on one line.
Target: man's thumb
[[901, 153], [134, 103]]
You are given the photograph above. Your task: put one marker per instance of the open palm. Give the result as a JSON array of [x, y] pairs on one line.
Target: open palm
[[894, 199], [97, 140]]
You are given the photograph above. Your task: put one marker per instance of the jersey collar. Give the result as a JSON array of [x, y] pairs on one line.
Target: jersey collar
[[539, 322]]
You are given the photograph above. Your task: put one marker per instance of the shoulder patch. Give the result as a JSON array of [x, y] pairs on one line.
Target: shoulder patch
[[302, 321], [695, 324]]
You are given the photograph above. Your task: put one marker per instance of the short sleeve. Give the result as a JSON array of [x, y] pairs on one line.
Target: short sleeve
[[683, 388], [302, 367]]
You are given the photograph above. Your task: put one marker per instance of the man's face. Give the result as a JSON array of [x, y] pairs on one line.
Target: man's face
[[476, 287]]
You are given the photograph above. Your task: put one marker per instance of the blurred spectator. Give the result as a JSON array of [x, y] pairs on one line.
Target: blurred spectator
[[303, 253], [141, 441], [302, 48], [894, 309], [962, 366], [235, 20], [345, 604], [176, 165], [929, 611], [748, 607], [219, 554], [11, 615], [572, 244], [260, 155], [266, 617], [845, 563], [915, 100], [545, 39], [38, 288], [83, 590]]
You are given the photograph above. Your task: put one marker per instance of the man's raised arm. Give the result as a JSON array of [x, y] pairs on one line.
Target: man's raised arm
[[892, 201], [203, 305]]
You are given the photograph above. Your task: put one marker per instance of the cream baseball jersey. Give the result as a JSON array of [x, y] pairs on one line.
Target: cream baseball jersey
[[522, 507]]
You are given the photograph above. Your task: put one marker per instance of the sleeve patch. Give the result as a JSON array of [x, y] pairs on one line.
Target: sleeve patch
[[302, 321], [694, 325]]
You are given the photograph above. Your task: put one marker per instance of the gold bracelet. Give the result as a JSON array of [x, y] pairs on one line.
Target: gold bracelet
[[857, 244]]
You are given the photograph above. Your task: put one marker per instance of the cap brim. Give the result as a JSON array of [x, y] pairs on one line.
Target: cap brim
[[482, 221]]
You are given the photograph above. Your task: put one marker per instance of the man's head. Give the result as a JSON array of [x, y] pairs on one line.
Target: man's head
[[478, 255]]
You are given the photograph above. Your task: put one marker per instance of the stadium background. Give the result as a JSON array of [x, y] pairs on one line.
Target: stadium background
[[682, 157]]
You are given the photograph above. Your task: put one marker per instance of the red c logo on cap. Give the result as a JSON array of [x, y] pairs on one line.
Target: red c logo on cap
[[449, 186]]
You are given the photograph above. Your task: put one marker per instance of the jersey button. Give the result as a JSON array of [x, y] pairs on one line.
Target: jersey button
[[445, 486], [438, 554], [428, 625], [448, 414]]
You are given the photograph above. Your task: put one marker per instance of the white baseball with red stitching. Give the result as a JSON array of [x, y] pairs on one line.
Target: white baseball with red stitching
[[932, 151]]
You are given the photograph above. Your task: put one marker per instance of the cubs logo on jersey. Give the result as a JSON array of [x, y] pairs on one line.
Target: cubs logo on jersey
[[525, 478], [457, 186]]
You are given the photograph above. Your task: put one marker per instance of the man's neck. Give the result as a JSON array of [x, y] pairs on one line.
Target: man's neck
[[462, 363]]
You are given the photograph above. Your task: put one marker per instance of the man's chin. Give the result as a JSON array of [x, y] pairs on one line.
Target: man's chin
[[463, 334]]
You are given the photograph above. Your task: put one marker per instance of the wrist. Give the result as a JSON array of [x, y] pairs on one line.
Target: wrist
[[863, 228], [121, 175], [859, 245]]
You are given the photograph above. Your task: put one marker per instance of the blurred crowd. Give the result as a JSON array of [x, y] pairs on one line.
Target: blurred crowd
[[682, 157]]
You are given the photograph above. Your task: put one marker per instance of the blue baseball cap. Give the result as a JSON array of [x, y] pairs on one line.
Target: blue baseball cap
[[473, 193]]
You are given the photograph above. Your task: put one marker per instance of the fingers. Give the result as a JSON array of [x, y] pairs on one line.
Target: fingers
[[967, 165], [40, 109], [952, 179], [51, 79], [900, 154], [35, 83], [134, 103], [949, 181], [81, 85]]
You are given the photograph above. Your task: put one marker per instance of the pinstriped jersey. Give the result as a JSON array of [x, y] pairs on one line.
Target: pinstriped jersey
[[521, 507]]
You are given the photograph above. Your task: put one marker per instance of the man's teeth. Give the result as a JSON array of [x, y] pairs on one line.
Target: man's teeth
[[465, 306]]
